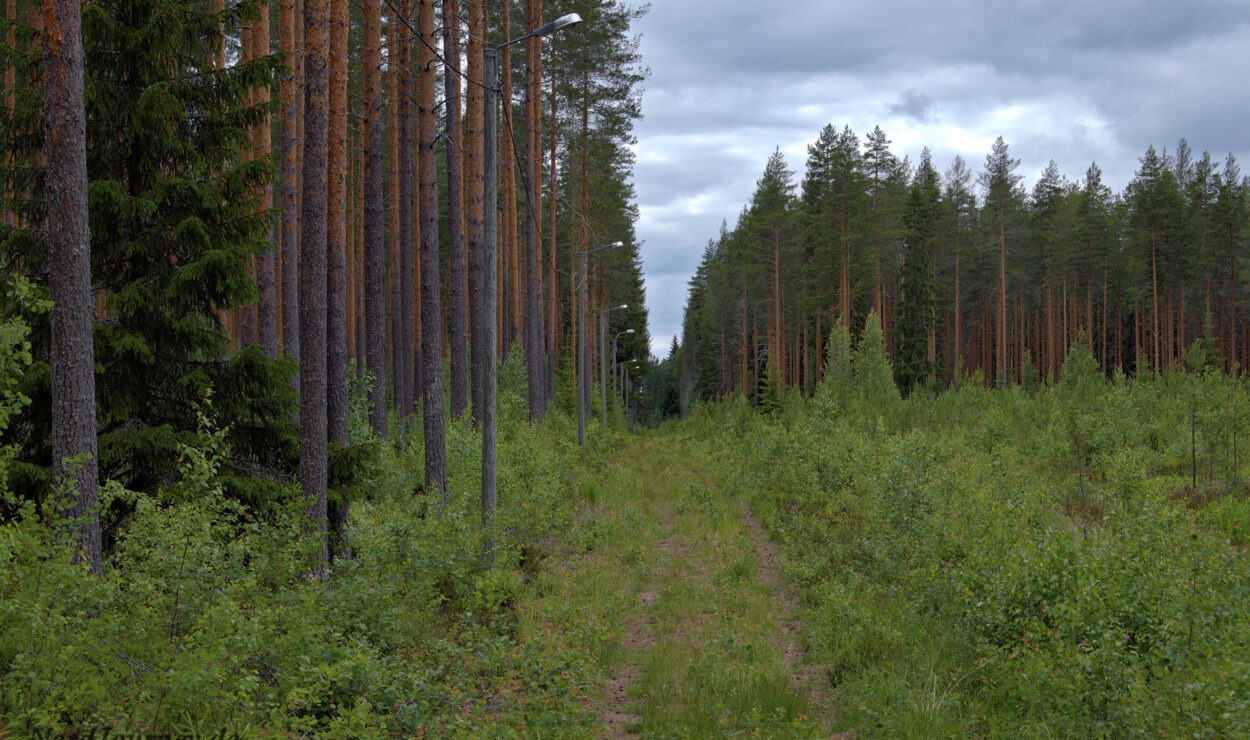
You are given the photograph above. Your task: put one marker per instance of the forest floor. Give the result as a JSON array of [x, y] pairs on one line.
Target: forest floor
[[693, 626]]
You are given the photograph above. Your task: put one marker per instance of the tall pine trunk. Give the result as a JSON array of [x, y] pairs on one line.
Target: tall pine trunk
[[375, 244], [509, 256], [336, 263], [475, 174], [75, 467], [958, 368], [535, 356], [431, 318], [457, 320], [1154, 310], [289, 92], [312, 278], [394, 29], [554, 332], [1002, 378], [266, 268], [405, 362], [7, 217]]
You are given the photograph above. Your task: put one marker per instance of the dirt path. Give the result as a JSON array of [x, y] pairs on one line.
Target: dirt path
[[805, 677], [707, 640]]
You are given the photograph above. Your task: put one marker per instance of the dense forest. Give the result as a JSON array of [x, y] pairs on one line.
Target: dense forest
[[303, 306], [279, 202], [968, 273]]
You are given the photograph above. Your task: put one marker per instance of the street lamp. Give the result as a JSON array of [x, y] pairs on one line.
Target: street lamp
[[583, 369], [627, 382], [603, 366], [615, 393], [487, 308]]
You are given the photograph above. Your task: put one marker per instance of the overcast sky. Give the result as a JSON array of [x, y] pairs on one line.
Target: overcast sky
[[1077, 81]]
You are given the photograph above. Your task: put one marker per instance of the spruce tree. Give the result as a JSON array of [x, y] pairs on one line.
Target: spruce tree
[[173, 225], [915, 315], [874, 381]]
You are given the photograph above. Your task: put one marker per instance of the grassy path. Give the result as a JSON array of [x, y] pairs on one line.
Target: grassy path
[[683, 608]]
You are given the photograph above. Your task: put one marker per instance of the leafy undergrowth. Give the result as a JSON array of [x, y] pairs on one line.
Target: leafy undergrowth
[[1008, 563], [203, 622]]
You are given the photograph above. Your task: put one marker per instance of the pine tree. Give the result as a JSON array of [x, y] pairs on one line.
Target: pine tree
[[1094, 214], [336, 263], [1003, 197], [290, 98], [886, 181], [765, 225], [374, 225], [535, 350], [74, 461], [431, 305], [916, 314], [313, 432], [833, 194], [1050, 263], [457, 318], [1156, 208], [960, 220], [1232, 224]]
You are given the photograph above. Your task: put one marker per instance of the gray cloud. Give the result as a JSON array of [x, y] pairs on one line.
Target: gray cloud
[[915, 105]]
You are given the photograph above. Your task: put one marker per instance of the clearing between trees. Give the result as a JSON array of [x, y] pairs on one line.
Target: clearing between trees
[[700, 637]]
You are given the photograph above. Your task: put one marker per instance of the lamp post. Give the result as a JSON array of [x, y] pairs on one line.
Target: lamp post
[[603, 366], [616, 394], [627, 387], [583, 370], [487, 308]]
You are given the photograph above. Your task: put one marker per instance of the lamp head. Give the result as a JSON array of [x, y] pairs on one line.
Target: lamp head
[[557, 24]]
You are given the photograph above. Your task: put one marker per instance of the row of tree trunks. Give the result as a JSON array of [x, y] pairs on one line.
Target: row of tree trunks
[[322, 289]]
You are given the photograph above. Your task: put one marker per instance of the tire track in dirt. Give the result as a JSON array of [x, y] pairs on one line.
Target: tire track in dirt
[[675, 562], [806, 678]]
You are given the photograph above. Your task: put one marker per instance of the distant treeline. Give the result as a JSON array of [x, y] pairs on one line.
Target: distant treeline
[[969, 273]]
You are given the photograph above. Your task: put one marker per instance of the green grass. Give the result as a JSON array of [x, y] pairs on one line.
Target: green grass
[[951, 578], [956, 582], [670, 596]]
